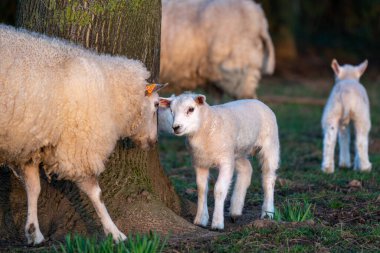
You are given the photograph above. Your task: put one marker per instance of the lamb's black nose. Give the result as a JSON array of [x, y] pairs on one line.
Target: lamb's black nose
[[176, 128]]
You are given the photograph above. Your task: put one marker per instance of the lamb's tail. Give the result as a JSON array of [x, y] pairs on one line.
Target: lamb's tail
[[345, 120], [269, 55]]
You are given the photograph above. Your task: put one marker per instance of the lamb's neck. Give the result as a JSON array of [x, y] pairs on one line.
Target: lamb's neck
[[209, 122]]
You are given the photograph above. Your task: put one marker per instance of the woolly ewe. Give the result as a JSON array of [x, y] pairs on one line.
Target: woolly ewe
[[348, 102], [66, 107], [223, 136], [221, 42]]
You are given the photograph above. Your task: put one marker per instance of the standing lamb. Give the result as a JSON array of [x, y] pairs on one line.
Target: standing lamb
[[224, 136], [222, 42], [348, 102], [66, 107]]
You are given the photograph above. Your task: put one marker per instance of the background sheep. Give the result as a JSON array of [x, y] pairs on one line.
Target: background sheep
[[223, 136], [224, 42], [66, 107], [348, 102]]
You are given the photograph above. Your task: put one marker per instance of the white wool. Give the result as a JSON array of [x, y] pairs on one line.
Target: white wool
[[224, 136], [66, 107], [348, 103], [223, 42]]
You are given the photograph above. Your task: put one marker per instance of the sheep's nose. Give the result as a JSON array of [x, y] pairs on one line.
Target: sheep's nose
[[176, 128]]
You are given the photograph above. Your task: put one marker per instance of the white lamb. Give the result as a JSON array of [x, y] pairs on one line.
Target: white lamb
[[223, 136], [222, 42], [348, 102], [66, 107]]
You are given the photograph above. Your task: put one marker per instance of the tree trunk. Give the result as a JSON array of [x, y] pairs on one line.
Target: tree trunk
[[136, 191]]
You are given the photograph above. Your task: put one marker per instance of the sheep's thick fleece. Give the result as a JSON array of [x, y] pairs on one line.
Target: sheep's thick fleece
[[223, 42], [64, 105]]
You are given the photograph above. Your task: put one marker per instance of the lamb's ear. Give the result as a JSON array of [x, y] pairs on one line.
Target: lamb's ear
[[362, 67], [335, 66], [200, 99], [165, 102]]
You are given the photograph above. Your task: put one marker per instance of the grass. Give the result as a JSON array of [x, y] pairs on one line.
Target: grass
[[346, 219], [137, 243], [294, 211]]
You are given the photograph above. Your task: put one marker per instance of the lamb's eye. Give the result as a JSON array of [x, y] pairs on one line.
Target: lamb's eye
[[156, 104], [190, 110]]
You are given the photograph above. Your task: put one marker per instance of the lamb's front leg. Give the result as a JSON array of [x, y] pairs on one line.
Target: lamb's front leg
[[220, 193], [90, 186], [202, 185], [33, 189]]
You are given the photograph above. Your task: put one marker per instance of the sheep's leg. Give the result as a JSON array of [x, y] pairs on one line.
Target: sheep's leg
[[33, 189], [90, 186], [243, 180], [202, 184], [329, 141], [344, 147], [361, 157], [220, 193]]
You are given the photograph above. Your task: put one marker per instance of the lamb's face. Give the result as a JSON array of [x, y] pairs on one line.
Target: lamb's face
[[186, 113], [348, 71]]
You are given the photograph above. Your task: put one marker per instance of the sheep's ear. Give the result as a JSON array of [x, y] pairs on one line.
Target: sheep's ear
[[159, 86], [165, 102], [362, 67], [335, 66], [200, 99]]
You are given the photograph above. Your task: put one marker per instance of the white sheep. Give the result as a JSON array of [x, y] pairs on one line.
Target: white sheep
[[348, 102], [66, 107], [223, 136], [223, 42]]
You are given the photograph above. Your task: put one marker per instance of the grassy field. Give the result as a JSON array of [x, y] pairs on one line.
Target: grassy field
[[345, 213]]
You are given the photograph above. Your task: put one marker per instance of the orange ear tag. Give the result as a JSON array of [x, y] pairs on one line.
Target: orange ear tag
[[149, 88]]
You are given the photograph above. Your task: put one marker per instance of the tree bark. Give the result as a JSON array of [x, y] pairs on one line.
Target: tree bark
[[137, 193]]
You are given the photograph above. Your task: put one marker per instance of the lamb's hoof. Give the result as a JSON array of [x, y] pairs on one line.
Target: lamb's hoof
[[220, 230], [267, 215], [234, 218], [366, 170], [345, 165], [201, 221], [328, 170]]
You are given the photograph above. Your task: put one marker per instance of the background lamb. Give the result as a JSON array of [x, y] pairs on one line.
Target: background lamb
[[223, 42], [224, 136], [348, 102], [66, 107]]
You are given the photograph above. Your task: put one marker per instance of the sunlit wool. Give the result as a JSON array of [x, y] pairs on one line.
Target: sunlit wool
[[224, 136], [66, 107], [348, 102], [225, 42]]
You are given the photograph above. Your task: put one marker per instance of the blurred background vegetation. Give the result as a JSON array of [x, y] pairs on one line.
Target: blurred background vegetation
[[306, 33]]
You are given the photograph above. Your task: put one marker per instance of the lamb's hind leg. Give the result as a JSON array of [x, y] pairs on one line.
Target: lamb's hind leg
[[270, 158], [90, 186], [362, 162], [33, 189], [344, 147], [243, 180], [330, 133]]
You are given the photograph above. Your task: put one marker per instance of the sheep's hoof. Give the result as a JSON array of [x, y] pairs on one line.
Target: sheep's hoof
[[234, 218]]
